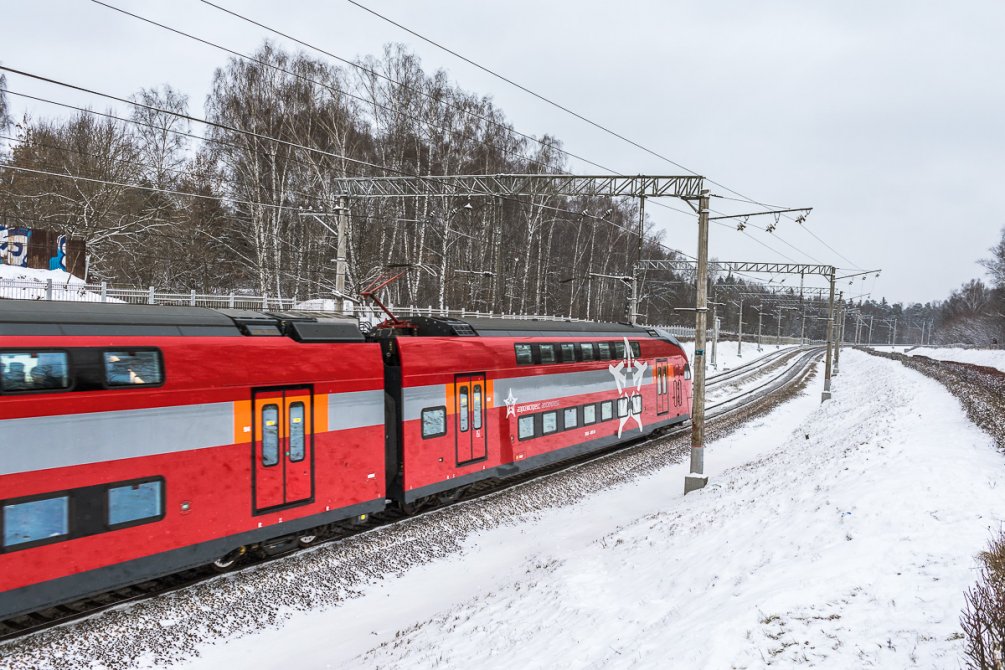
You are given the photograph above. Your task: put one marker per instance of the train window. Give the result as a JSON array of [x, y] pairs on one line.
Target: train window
[[589, 414], [130, 368], [549, 422], [605, 351], [132, 503], [687, 372], [36, 521], [571, 418], [622, 407], [606, 410], [524, 354], [434, 422], [586, 351], [463, 411], [270, 435], [526, 427], [636, 349], [617, 350], [547, 353], [636, 404], [568, 352], [297, 431], [477, 409], [34, 371]]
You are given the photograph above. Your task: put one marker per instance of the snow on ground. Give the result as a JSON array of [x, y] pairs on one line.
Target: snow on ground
[[839, 535], [18, 283]]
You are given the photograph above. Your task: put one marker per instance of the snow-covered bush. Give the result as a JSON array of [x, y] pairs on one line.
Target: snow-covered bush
[[983, 617]]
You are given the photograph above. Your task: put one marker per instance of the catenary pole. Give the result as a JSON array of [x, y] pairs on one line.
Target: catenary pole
[[340, 256], [696, 479], [739, 328], [828, 364], [840, 332]]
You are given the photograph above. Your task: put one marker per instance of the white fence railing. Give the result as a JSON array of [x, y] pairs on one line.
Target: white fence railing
[[78, 291], [103, 292]]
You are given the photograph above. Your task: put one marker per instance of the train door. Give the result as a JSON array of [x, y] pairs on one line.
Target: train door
[[662, 386], [470, 426], [283, 470]]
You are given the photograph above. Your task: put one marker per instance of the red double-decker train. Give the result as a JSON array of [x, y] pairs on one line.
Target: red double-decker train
[[138, 441]]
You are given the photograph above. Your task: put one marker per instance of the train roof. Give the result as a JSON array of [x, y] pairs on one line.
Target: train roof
[[482, 327], [32, 317]]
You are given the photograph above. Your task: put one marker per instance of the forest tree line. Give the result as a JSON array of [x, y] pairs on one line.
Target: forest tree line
[[228, 206]]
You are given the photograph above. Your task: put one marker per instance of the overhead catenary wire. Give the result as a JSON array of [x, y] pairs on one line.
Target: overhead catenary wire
[[354, 64], [195, 119], [562, 108], [358, 98]]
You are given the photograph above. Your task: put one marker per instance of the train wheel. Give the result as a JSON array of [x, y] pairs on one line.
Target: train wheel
[[306, 540], [226, 563], [448, 497]]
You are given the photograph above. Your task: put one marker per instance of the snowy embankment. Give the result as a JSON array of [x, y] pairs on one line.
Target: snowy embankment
[[839, 535], [993, 358]]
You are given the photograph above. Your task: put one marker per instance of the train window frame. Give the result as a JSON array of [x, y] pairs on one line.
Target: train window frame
[[261, 417], [477, 406], [443, 422], [566, 413], [540, 353], [71, 381], [520, 425], [604, 351], [463, 409], [161, 372], [636, 348], [617, 347], [567, 352], [528, 350], [607, 407], [544, 415], [593, 412], [583, 348], [28, 500], [637, 404], [623, 403], [140, 521], [303, 434]]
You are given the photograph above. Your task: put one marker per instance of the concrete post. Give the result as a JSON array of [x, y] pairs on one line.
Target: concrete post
[[696, 479], [828, 365]]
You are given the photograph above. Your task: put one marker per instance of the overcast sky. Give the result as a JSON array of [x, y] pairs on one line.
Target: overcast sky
[[886, 117]]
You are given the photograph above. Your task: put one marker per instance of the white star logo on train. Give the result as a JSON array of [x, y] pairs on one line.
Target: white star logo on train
[[626, 387], [510, 404]]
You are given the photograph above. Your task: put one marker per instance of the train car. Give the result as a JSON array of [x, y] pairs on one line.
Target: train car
[[482, 398], [140, 441]]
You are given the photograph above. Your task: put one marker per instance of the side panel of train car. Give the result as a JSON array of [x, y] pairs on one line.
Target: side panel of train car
[[514, 399], [164, 440]]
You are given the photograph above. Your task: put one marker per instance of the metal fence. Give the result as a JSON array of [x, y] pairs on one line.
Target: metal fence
[[50, 290], [103, 292]]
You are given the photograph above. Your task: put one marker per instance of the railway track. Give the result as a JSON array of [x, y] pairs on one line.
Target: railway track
[[774, 372]]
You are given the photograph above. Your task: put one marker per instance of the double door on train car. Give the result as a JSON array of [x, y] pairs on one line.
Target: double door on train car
[[662, 386], [470, 426], [283, 429]]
